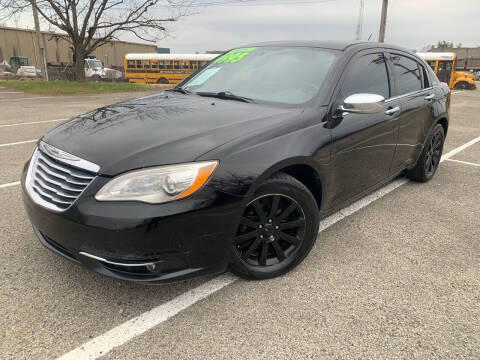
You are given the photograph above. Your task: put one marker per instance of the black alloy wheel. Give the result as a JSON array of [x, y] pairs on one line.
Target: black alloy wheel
[[427, 163], [277, 229], [271, 229], [433, 154]]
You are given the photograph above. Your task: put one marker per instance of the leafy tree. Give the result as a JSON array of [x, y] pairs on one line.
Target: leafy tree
[[89, 24], [444, 45]]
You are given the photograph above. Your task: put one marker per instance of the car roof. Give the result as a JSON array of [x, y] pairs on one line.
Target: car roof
[[333, 45]]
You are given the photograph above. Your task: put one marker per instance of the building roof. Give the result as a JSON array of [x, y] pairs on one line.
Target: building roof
[[437, 55]]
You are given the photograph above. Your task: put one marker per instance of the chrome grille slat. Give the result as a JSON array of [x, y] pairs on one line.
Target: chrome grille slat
[[59, 184], [57, 191], [72, 173], [60, 176], [54, 183], [51, 197]]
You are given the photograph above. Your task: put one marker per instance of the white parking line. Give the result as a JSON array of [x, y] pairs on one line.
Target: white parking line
[[11, 92], [464, 162], [9, 184], [460, 148], [18, 143], [125, 332], [32, 122], [29, 98]]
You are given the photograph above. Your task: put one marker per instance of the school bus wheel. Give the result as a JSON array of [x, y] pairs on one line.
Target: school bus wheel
[[162, 80]]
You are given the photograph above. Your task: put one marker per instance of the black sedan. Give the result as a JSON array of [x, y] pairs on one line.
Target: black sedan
[[235, 167]]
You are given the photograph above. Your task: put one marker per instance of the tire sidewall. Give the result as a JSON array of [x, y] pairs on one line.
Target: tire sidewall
[[304, 198]]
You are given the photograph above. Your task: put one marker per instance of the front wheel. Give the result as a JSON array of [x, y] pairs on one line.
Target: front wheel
[[277, 230], [430, 157]]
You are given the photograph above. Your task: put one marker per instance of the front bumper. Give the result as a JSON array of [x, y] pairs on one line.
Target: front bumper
[[141, 242]]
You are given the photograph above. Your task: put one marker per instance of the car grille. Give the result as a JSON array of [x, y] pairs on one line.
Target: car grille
[[54, 183]]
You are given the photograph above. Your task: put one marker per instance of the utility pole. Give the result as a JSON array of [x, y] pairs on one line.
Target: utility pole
[[40, 45], [383, 22], [360, 22]]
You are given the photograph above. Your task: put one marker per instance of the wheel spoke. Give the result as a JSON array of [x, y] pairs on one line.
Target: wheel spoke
[[261, 214], [427, 163], [250, 223], [251, 248], [275, 202], [289, 238], [263, 255], [292, 224], [244, 237], [287, 211], [278, 250]]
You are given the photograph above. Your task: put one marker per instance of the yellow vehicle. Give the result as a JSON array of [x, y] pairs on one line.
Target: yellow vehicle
[[163, 68], [443, 64]]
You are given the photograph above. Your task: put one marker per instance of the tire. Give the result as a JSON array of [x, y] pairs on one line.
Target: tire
[[270, 239], [463, 85], [162, 81], [429, 159]]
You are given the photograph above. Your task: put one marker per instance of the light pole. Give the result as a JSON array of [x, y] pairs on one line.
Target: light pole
[[383, 22]]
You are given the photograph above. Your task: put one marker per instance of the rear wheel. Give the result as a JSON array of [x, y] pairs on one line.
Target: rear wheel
[[430, 157], [162, 81], [277, 230], [463, 85]]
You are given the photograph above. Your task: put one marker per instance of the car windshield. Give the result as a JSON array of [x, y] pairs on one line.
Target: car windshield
[[272, 74], [95, 63]]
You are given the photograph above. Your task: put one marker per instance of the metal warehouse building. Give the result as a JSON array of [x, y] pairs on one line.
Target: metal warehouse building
[[22, 42]]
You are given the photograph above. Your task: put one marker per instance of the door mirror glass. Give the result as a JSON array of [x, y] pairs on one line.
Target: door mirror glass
[[363, 104]]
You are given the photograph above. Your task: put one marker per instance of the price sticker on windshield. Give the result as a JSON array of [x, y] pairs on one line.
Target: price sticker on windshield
[[234, 56]]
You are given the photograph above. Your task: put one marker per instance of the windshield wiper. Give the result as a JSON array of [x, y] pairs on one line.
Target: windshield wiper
[[227, 95], [180, 90]]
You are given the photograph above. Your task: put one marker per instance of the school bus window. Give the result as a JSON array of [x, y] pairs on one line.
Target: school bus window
[[161, 64], [131, 64], [185, 64], [177, 64], [168, 64], [146, 64], [139, 64], [154, 65], [431, 63], [193, 65]]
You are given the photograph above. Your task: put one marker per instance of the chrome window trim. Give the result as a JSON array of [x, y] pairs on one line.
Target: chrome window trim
[[408, 94]]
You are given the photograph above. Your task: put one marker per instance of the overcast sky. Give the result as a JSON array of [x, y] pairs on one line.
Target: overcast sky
[[411, 23]]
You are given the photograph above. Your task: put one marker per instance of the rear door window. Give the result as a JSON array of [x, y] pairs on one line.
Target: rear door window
[[407, 74], [367, 74]]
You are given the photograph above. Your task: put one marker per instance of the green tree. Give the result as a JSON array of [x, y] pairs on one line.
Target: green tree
[[444, 45]]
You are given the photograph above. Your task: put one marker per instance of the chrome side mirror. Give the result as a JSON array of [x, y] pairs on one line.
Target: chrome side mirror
[[363, 104]]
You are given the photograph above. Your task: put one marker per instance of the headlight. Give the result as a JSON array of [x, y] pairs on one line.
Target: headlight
[[159, 184]]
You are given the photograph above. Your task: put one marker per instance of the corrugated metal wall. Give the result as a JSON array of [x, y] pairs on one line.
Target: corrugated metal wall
[[467, 58], [21, 42]]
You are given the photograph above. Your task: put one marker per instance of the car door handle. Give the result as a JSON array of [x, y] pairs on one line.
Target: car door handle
[[392, 111], [430, 97]]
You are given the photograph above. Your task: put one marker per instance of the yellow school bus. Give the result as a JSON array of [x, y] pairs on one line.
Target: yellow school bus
[[163, 68], [443, 64]]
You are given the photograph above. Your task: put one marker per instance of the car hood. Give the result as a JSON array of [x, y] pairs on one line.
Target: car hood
[[162, 129]]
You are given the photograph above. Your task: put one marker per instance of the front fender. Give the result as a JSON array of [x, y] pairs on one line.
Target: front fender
[[247, 163]]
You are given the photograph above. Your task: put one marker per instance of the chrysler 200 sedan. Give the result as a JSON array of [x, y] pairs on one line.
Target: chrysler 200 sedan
[[235, 167]]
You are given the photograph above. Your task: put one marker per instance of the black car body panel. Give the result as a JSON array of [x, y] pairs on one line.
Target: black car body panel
[[339, 157], [162, 129]]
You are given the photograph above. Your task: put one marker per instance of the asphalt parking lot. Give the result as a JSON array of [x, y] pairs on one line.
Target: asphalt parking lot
[[395, 275]]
